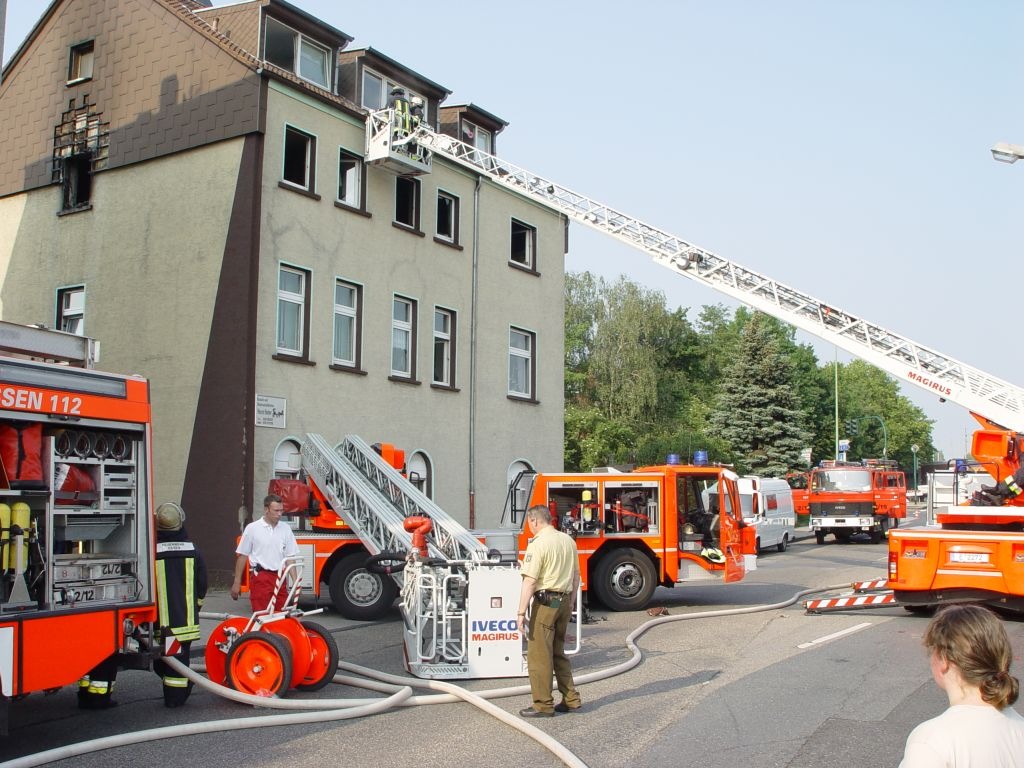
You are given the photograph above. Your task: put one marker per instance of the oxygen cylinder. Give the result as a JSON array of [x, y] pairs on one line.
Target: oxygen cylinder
[[21, 516], [5, 533]]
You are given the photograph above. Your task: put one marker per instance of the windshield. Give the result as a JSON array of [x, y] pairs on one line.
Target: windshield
[[841, 480]]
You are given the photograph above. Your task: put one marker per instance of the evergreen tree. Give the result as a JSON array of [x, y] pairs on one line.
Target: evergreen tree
[[757, 410]]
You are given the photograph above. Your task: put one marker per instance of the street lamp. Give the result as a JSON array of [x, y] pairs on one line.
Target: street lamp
[[1007, 153], [914, 449]]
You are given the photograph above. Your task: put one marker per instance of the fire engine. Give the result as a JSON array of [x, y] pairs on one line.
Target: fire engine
[[979, 552], [845, 498], [76, 539], [659, 525]]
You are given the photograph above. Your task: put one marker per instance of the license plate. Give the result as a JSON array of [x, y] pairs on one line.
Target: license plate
[[968, 557]]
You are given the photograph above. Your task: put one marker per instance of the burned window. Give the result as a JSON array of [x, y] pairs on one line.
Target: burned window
[[80, 145]]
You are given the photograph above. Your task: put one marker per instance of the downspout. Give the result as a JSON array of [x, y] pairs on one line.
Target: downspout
[[472, 351]]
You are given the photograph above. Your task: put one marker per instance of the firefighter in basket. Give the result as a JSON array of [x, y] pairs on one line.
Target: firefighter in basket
[[180, 587]]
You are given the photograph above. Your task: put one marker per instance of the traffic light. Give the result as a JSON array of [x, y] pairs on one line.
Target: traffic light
[[851, 427]]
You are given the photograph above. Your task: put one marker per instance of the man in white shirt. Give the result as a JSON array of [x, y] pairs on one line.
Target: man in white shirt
[[265, 544]]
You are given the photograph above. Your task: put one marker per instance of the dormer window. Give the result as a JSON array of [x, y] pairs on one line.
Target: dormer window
[[377, 91], [476, 136], [295, 52]]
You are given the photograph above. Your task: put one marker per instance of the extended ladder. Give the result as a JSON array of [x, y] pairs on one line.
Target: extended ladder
[[374, 499], [993, 398]]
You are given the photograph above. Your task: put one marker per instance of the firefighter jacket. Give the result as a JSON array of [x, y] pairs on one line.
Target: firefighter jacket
[[180, 584]]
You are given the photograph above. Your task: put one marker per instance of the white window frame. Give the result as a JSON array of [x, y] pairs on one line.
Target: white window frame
[[444, 340], [529, 232], [81, 61], [386, 86], [300, 43], [71, 314], [480, 138], [416, 195], [403, 328], [453, 217], [294, 300], [352, 179], [310, 159], [354, 313], [518, 356]]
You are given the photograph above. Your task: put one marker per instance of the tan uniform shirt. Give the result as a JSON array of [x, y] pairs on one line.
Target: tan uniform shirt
[[551, 559]]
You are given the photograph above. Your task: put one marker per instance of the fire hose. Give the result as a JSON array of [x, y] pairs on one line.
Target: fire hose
[[398, 690]]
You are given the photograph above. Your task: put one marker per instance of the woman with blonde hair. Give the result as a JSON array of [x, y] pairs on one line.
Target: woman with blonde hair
[[970, 659]]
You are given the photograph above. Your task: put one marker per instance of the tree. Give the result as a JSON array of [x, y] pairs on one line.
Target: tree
[[757, 411]]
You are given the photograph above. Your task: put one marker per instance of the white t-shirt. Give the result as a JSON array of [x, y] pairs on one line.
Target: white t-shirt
[[967, 736], [265, 546]]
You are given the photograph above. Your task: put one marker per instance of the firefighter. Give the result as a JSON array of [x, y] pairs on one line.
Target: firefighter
[[96, 688], [995, 495], [180, 588]]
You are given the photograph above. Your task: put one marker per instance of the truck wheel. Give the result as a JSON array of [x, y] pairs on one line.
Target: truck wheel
[[260, 663], [625, 580], [357, 593], [878, 533], [323, 663], [819, 536], [784, 544]]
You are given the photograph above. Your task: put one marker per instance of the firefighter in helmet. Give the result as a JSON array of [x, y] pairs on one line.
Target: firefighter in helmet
[[181, 588]]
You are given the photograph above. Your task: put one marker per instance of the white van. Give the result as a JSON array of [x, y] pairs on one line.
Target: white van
[[767, 504]]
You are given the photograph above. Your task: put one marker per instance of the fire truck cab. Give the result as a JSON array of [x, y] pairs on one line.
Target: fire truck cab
[[658, 525]]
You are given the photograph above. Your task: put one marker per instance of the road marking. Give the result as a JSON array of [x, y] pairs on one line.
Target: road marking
[[834, 635]]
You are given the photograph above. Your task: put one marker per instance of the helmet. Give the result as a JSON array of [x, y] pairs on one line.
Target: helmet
[[169, 517]]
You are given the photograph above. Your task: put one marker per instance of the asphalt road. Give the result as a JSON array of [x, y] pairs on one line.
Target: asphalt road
[[772, 687]]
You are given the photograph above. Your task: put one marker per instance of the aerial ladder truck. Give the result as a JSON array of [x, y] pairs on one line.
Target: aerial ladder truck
[[458, 597], [975, 552]]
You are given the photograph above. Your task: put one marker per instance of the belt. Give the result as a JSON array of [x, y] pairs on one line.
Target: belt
[[257, 568], [543, 595]]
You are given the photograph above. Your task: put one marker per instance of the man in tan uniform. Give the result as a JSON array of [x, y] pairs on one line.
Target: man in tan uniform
[[551, 576]]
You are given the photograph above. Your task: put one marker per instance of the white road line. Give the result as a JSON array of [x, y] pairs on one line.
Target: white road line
[[834, 635]]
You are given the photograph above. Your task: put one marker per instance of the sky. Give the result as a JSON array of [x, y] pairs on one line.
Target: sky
[[840, 148]]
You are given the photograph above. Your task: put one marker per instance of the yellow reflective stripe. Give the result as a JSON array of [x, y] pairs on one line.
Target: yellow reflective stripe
[[190, 590], [1012, 485], [99, 686], [84, 682], [161, 593], [176, 682], [184, 634]]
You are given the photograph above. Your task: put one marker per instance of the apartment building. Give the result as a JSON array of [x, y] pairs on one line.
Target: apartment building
[[188, 184]]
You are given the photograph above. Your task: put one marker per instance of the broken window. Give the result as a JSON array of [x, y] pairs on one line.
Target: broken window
[[80, 145]]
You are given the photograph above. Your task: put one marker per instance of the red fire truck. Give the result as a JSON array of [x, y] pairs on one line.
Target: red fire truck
[[845, 498], [76, 539], [660, 525]]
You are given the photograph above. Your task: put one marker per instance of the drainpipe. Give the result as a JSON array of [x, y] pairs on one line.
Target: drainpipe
[[472, 352], [3, 25]]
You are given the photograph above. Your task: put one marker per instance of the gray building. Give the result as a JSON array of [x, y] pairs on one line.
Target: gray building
[[188, 185]]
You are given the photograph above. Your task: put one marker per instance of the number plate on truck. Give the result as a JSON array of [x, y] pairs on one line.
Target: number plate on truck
[[968, 557]]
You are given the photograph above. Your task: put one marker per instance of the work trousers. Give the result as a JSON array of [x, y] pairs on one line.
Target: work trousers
[[545, 655], [261, 589], [95, 689], [176, 687]]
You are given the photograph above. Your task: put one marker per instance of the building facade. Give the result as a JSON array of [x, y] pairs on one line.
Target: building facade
[[189, 186]]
